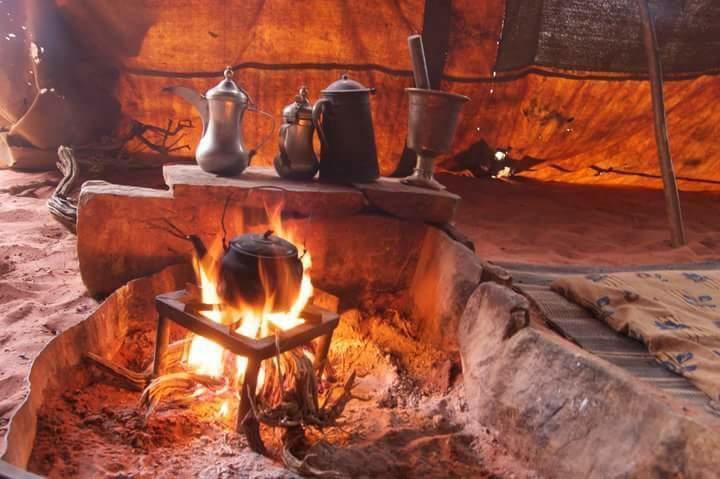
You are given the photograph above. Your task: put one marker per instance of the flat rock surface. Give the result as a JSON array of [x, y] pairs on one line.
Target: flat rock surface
[[257, 186], [410, 202]]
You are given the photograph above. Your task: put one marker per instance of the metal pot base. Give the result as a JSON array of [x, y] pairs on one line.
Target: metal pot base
[[419, 180], [423, 174]]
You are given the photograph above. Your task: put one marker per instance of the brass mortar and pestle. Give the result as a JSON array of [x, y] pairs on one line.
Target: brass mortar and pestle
[[433, 116]]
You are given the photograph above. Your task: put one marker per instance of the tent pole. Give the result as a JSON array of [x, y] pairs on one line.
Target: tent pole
[[672, 197]]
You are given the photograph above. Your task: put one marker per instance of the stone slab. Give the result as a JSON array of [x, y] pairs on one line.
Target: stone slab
[[410, 202], [257, 186], [5, 156], [569, 413], [260, 186], [123, 234], [26, 158], [446, 275], [117, 235]]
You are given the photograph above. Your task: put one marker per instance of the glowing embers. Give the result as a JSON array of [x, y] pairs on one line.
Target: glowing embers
[[214, 339]]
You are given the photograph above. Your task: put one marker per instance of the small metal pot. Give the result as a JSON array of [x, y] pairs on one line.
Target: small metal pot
[[433, 117], [343, 119], [260, 270], [296, 159]]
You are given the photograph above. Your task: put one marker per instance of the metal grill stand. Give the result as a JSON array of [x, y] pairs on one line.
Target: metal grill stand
[[182, 308]]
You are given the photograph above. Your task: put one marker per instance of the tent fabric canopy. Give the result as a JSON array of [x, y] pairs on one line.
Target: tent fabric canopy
[[570, 120], [606, 36]]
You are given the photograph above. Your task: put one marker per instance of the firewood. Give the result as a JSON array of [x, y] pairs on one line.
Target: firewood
[[251, 428], [96, 156], [176, 387], [294, 402], [131, 379], [301, 466]]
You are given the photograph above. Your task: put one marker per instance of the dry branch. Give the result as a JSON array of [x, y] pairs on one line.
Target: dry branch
[[290, 458], [176, 387], [289, 397], [159, 140], [251, 429], [60, 204], [131, 379]]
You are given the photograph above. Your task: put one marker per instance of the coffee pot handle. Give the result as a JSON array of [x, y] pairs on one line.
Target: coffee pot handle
[[281, 144], [253, 151], [319, 108]]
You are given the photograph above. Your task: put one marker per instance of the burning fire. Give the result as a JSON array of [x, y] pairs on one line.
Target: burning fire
[[208, 358]]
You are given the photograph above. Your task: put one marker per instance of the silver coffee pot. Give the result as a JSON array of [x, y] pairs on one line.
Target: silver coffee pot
[[296, 159], [221, 149]]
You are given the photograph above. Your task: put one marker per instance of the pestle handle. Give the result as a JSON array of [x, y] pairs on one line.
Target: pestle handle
[[417, 56]]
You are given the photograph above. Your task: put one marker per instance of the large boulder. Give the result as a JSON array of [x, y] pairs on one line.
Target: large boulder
[[567, 412]]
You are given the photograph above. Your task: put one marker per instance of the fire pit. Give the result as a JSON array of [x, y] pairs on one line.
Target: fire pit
[[395, 286], [90, 424], [183, 308]]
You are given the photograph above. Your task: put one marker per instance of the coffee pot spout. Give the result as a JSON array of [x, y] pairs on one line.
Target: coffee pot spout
[[194, 98]]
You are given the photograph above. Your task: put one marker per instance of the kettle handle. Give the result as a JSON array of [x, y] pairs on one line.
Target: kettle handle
[[253, 151], [318, 108], [281, 144]]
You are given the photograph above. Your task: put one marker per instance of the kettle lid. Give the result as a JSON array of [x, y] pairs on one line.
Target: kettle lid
[[346, 85], [300, 108], [227, 89], [264, 245]]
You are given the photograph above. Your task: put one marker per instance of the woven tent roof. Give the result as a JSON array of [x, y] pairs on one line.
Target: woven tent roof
[[559, 81]]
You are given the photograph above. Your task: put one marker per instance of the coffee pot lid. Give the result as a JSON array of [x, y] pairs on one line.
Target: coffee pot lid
[[265, 245], [300, 108], [227, 89], [346, 85]]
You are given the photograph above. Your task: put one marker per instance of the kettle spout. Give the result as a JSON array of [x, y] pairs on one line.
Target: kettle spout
[[194, 98], [198, 246], [168, 227]]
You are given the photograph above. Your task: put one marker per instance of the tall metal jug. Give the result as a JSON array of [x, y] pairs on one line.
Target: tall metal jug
[[343, 119]]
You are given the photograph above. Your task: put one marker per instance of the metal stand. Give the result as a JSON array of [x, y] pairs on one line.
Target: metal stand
[[323, 347], [247, 394], [319, 323], [162, 339]]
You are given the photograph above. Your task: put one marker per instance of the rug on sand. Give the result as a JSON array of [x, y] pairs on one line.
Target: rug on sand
[[676, 314]]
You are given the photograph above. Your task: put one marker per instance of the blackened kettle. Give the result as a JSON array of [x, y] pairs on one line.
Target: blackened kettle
[[262, 271], [343, 120]]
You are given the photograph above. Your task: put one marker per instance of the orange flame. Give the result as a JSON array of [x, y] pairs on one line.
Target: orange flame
[[205, 356]]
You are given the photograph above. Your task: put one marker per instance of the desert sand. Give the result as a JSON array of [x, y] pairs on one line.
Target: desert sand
[[522, 221], [41, 293]]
